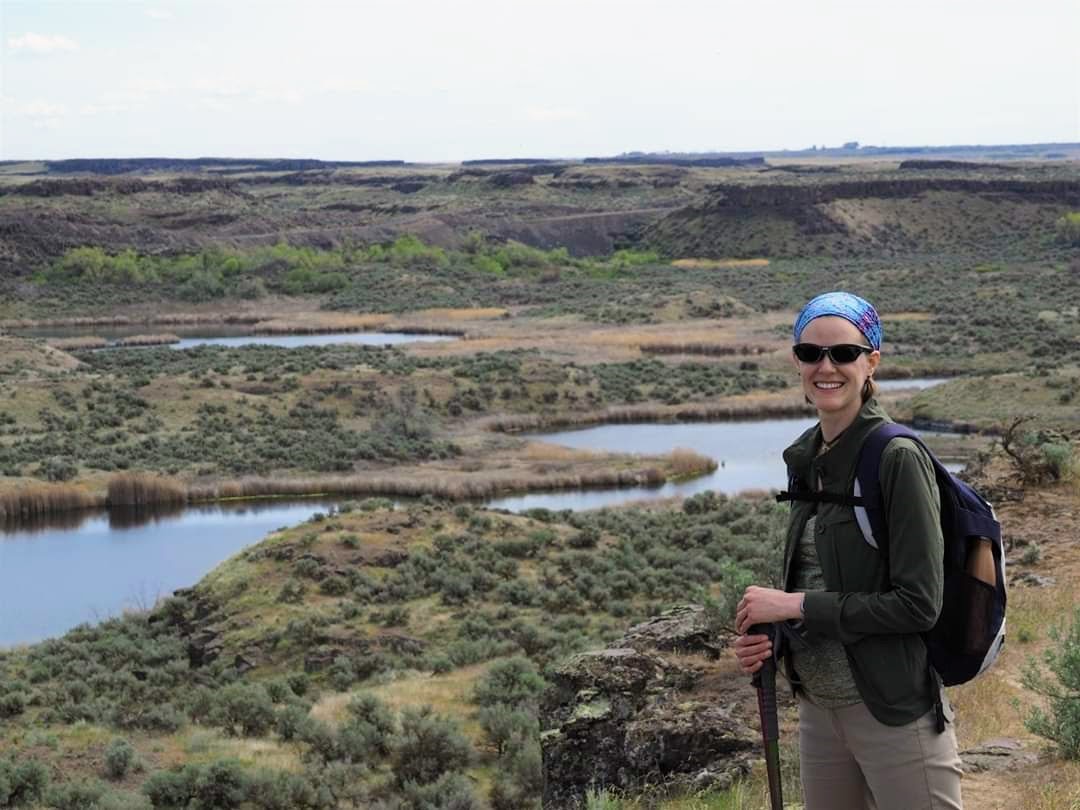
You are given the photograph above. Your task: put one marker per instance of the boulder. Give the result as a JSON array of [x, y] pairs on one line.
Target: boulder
[[651, 709]]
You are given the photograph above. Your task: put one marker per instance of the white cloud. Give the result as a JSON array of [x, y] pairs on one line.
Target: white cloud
[[36, 109], [159, 14], [549, 114], [102, 109], [42, 43]]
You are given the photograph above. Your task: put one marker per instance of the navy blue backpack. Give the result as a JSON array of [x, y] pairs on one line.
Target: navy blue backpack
[[970, 631]]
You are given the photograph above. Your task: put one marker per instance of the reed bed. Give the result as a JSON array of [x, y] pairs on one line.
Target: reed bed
[[443, 486], [142, 489], [686, 463], [148, 340], [703, 347], [426, 329], [321, 323], [692, 412], [37, 500], [176, 319], [81, 343]]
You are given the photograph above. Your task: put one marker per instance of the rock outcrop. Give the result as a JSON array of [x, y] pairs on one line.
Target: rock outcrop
[[655, 707]]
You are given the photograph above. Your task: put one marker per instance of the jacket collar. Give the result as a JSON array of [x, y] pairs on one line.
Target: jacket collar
[[800, 456]]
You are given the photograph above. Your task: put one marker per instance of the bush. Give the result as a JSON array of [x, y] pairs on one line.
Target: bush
[[12, 704], [514, 682], [75, 795], [244, 709], [21, 783], [452, 791], [428, 747], [1061, 721], [119, 757], [506, 728]]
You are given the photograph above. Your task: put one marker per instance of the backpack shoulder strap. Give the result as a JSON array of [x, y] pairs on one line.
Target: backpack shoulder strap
[[870, 515]]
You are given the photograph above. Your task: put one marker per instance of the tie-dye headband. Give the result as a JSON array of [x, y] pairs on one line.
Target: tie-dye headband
[[843, 305]]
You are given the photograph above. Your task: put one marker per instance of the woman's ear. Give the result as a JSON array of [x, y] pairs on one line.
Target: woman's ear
[[873, 359]]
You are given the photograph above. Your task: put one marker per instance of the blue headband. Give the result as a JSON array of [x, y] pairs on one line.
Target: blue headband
[[842, 305]]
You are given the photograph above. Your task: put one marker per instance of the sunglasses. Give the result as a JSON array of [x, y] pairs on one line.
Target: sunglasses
[[841, 354]]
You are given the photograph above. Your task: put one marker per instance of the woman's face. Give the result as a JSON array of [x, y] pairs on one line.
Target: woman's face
[[835, 389]]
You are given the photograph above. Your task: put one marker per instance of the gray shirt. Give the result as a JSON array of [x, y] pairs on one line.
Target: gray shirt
[[822, 666]]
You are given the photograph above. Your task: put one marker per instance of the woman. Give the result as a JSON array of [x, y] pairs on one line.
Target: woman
[[870, 707]]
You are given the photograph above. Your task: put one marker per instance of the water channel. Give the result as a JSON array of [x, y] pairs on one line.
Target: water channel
[[85, 567]]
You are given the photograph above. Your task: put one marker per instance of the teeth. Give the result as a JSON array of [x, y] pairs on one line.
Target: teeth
[[828, 385]]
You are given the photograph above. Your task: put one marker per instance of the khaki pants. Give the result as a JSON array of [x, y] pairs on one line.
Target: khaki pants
[[851, 761]]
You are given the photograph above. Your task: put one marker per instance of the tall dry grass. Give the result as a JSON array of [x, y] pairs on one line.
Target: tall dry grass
[[37, 500], [148, 340], [733, 412], [313, 323], [71, 344], [143, 489], [465, 314], [449, 486], [686, 463]]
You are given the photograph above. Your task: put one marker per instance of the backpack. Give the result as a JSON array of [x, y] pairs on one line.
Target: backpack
[[970, 630]]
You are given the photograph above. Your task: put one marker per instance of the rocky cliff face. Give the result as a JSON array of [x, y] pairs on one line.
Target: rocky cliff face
[[658, 706], [882, 217]]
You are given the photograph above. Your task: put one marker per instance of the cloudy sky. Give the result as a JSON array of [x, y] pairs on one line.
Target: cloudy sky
[[453, 79]]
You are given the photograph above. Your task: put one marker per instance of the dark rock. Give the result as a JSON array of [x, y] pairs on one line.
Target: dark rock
[[389, 558], [1002, 754], [626, 716], [682, 629], [1032, 580]]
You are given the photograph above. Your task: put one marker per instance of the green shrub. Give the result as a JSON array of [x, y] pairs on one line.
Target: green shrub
[[514, 682], [243, 709], [119, 757], [452, 791], [12, 704], [21, 783], [83, 795], [1060, 722], [428, 747]]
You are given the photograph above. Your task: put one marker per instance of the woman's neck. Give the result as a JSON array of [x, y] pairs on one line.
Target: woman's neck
[[833, 424]]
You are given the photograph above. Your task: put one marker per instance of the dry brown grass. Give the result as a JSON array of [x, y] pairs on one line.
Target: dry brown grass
[[751, 407], [686, 463], [443, 484], [141, 489], [718, 264], [307, 323], [43, 499], [472, 314], [148, 340], [71, 344]]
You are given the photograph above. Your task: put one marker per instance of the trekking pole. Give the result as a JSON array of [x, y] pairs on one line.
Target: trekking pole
[[764, 680]]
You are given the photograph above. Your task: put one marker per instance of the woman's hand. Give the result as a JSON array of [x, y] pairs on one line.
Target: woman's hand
[[751, 651], [766, 605]]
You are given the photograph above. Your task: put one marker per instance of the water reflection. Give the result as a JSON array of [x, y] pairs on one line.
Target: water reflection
[[92, 565]]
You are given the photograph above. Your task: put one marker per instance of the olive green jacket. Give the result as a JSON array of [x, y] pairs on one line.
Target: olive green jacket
[[876, 603]]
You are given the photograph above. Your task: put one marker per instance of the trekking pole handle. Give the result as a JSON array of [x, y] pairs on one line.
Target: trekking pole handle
[[764, 680]]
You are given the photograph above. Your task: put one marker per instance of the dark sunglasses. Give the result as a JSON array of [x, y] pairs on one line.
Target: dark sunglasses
[[841, 354]]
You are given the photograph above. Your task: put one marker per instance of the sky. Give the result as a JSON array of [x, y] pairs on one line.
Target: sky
[[446, 80]]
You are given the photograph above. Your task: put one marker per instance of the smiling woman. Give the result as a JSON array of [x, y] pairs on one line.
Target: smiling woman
[[871, 710]]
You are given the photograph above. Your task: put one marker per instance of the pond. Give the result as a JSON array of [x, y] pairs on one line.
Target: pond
[[80, 567], [235, 336], [911, 382]]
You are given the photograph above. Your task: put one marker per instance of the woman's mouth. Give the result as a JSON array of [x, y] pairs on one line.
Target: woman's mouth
[[827, 386]]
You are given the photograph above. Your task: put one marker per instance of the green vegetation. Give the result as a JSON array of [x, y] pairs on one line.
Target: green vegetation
[[518, 592], [1059, 722]]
